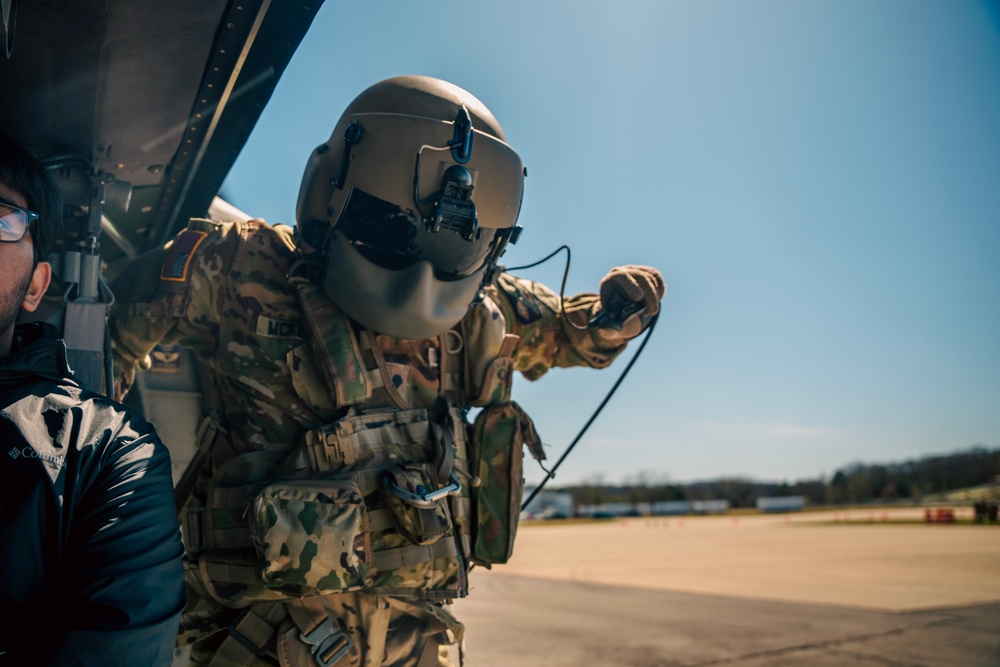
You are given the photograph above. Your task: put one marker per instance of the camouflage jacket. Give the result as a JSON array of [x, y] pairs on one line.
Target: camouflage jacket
[[222, 289], [231, 293]]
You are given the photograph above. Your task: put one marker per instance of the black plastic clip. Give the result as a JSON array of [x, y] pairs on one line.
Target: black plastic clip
[[354, 133], [461, 141]]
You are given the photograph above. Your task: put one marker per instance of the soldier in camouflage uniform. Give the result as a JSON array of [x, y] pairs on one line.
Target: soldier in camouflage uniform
[[340, 495]]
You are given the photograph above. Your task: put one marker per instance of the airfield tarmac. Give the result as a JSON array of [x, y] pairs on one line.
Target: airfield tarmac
[[818, 588]]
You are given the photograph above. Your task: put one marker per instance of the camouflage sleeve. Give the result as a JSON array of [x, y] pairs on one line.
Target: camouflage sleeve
[[548, 339], [171, 295]]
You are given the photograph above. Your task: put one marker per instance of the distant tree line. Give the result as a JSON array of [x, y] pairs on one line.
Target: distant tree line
[[861, 482], [854, 483]]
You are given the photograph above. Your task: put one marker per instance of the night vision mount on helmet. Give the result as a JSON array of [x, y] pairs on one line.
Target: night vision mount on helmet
[[410, 205]]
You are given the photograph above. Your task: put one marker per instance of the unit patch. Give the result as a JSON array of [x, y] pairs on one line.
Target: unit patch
[[525, 306], [175, 266], [167, 359], [272, 328]]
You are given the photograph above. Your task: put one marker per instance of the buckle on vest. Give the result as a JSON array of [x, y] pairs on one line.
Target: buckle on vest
[[329, 643], [423, 498]]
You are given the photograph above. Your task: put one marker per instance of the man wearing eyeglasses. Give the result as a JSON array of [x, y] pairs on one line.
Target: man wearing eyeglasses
[[90, 551], [27, 278]]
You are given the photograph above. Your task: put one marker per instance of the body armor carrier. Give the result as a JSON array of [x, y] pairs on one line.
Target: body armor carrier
[[389, 499]]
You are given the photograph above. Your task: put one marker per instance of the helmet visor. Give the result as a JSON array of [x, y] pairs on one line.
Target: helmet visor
[[394, 239]]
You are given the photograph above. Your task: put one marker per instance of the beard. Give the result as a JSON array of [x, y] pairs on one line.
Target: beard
[[10, 303]]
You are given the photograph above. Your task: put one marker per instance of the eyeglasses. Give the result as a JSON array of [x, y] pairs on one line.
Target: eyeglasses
[[14, 222]]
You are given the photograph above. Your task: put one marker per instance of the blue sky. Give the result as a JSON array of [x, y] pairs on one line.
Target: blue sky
[[818, 181]]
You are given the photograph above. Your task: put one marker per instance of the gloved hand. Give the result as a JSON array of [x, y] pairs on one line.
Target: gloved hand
[[629, 289]]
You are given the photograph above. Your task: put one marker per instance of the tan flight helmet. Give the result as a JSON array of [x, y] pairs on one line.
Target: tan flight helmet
[[410, 204]]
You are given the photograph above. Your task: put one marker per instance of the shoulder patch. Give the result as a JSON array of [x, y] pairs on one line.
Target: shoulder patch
[[525, 306], [167, 359], [179, 256]]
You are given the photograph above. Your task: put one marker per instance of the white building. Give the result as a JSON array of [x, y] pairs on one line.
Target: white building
[[781, 504], [665, 507], [548, 505], [710, 506]]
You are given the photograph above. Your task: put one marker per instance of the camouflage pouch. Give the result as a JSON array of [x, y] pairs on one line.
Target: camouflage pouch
[[421, 523], [310, 535], [496, 458]]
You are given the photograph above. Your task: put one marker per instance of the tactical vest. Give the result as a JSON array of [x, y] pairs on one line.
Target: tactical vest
[[388, 499]]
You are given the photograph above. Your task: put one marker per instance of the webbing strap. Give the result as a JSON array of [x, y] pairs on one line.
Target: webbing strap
[[453, 362], [193, 528], [382, 561], [307, 613], [234, 496], [250, 636], [333, 344], [509, 344], [370, 343], [461, 509], [413, 554], [367, 480], [364, 438], [379, 520], [231, 573], [462, 501], [234, 501], [432, 612], [204, 440], [232, 538], [460, 431]]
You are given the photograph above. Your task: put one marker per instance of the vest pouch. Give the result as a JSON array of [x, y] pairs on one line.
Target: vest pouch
[[496, 457], [310, 536], [420, 523]]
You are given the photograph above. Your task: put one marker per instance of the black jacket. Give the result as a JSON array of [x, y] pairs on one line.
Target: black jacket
[[90, 551]]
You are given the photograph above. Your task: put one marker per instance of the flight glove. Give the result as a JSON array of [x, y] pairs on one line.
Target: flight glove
[[630, 297]]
